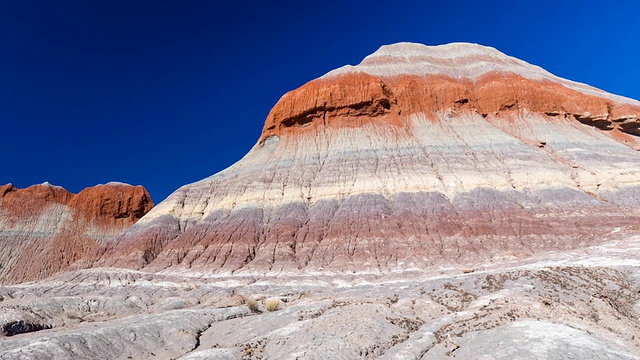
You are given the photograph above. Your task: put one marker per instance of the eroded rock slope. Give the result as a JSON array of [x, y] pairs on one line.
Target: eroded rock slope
[[417, 156], [45, 228]]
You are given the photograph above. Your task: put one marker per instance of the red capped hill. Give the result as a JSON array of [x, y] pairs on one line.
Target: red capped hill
[[44, 228]]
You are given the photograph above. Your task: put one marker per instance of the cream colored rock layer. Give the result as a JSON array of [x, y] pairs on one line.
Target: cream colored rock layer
[[450, 155], [51, 221]]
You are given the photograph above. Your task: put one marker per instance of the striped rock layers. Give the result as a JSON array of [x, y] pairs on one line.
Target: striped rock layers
[[418, 156], [44, 228]]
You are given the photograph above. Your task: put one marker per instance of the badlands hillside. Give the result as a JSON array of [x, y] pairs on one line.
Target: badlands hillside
[[44, 228], [431, 202], [417, 156]]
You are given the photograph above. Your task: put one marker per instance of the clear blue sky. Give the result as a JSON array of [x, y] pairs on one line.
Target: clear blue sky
[[164, 93]]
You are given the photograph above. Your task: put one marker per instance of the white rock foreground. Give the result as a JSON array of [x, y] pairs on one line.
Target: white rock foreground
[[580, 304], [428, 203]]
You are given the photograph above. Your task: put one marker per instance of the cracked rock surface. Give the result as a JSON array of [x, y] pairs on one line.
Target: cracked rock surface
[[578, 304]]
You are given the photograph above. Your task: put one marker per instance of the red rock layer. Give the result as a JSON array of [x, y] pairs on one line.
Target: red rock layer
[[352, 99], [45, 228]]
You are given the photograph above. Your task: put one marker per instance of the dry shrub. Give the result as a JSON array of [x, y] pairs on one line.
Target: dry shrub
[[272, 305], [252, 304]]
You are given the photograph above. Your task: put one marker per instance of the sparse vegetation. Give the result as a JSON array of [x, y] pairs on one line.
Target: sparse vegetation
[[393, 299], [272, 305], [252, 304], [253, 350]]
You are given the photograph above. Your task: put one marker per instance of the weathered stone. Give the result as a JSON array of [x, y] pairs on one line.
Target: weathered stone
[[45, 228]]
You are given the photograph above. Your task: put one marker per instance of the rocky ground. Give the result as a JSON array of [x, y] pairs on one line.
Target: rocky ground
[[581, 304]]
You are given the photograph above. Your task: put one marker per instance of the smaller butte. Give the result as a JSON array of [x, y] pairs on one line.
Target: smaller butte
[[45, 228]]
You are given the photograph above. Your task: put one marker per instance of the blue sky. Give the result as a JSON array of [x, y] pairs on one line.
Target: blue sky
[[164, 93]]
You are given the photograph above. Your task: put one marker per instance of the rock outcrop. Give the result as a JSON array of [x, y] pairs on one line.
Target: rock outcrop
[[417, 156], [44, 228]]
